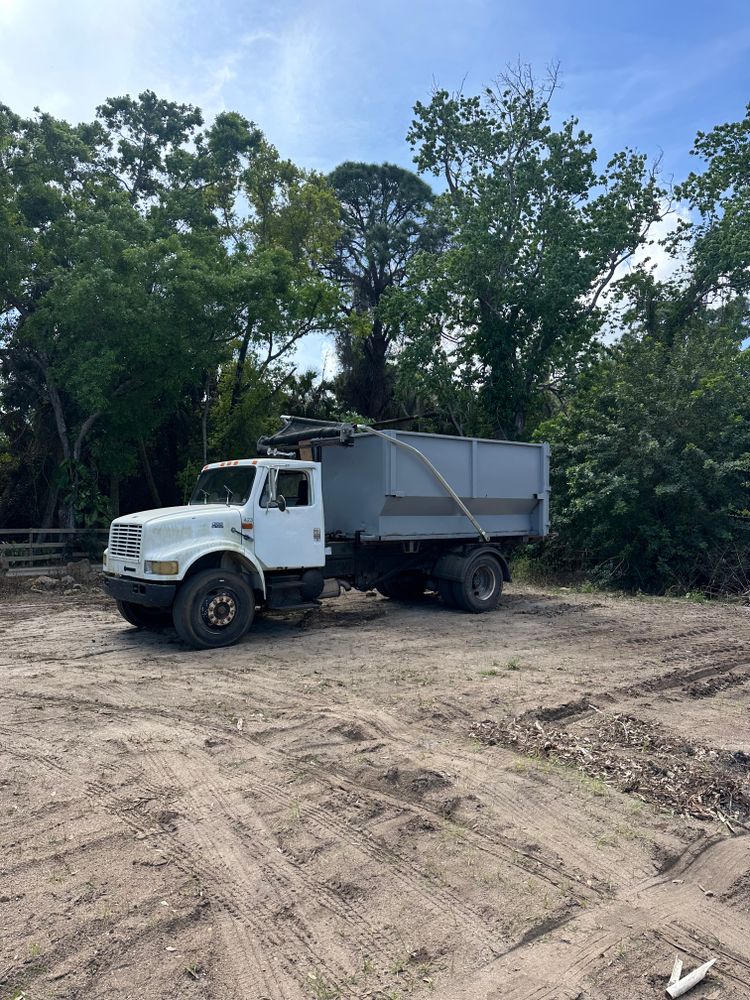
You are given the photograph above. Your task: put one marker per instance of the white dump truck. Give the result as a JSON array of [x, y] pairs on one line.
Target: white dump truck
[[331, 506]]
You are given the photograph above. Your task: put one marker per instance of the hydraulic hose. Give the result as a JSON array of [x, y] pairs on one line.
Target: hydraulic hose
[[425, 461]]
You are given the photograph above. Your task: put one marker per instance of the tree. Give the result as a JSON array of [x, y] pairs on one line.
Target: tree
[[720, 255], [281, 229], [537, 237], [156, 276], [106, 311], [651, 462], [385, 222]]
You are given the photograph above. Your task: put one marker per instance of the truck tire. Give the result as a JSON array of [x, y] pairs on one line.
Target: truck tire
[[480, 586], [409, 586], [446, 589], [143, 617], [213, 609]]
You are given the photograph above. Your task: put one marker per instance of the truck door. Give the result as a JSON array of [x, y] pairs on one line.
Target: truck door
[[291, 535]]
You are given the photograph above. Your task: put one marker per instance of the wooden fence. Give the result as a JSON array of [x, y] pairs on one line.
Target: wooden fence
[[41, 551]]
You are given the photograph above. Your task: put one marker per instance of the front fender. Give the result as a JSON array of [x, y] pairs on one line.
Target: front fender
[[231, 555]]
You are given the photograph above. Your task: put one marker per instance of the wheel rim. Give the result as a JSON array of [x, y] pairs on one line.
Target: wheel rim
[[219, 609], [483, 583]]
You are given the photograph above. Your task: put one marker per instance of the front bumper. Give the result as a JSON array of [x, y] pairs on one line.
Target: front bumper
[[152, 595]]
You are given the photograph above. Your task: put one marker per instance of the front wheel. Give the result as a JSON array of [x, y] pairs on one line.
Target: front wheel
[[143, 617], [213, 609], [480, 586]]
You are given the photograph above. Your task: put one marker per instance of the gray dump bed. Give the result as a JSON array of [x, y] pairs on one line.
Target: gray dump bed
[[384, 492]]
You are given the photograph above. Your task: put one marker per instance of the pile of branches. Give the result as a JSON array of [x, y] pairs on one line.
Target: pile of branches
[[639, 758]]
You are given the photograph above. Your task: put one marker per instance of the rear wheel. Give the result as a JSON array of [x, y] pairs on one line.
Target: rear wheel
[[409, 586], [143, 617], [480, 586], [213, 609]]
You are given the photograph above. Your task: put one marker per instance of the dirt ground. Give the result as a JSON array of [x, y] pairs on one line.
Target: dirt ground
[[374, 800]]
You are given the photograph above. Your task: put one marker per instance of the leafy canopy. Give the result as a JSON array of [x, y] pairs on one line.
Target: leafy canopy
[[537, 235]]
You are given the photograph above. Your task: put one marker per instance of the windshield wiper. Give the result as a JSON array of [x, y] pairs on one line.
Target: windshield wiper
[[229, 493], [205, 495]]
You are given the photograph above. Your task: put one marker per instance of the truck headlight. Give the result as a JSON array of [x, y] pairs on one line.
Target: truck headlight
[[162, 568]]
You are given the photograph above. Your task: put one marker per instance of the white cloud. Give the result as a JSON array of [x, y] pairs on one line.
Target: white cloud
[[653, 254], [274, 64], [316, 352], [83, 52]]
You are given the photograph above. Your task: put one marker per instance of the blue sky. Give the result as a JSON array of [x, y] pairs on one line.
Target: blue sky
[[329, 80]]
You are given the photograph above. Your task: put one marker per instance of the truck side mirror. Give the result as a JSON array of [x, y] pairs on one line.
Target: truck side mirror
[[280, 503]]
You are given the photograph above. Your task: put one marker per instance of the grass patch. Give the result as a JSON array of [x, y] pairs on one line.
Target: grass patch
[[320, 989]]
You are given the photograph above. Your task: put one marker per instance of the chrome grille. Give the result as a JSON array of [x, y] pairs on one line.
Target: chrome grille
[[125, 541]]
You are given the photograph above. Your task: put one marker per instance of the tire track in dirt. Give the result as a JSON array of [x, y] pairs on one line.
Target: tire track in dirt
[[676, 909], [443, 900], [530, 813], [727, 673], [208, 790], [437, 895], [446, 905], [199, 718], [250, 969], [680, 678], [404, 865], [696, 632], [704, 652], [71, 948], [501, 849], [505, 850], [245, 929]]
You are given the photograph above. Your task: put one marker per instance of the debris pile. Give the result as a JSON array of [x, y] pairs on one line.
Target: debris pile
[[636, 757]]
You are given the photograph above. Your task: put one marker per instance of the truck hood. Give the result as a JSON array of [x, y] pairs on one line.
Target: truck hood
[[169, 531], [177, 513]]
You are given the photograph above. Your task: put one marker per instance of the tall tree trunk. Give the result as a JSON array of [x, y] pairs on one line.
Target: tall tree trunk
[[204, 417], [66, 513], [71, 455], [376, 350], [151, 482], [50, 507], [114, 493], [239, 371]]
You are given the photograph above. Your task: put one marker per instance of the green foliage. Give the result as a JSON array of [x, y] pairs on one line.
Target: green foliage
[[282, 228], [153, 275], [385, 222], [651, 465], [720, 255], [80, 489], [537, 235]]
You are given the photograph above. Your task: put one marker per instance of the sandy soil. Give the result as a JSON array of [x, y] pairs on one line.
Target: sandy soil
[[316, 814]]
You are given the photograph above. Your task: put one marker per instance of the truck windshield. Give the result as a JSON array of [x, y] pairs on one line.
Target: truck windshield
[[230, 485]]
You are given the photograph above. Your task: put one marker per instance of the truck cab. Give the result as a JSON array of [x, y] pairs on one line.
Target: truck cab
[[252, 533]]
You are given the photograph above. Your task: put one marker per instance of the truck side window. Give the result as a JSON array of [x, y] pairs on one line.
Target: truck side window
[[293, 486]]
